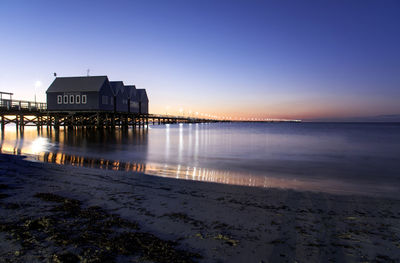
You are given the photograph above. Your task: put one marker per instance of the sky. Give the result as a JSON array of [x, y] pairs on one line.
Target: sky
[[239, 59]]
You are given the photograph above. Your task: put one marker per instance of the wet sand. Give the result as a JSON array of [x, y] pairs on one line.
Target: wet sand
[[50, 212]]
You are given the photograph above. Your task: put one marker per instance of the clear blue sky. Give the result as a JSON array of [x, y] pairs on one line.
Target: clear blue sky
[[278, 59]]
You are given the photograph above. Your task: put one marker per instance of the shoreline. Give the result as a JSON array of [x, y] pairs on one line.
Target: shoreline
[[205, 222], [336, 187]]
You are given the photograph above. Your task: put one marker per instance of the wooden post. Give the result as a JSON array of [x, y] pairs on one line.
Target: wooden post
[[56, 122], [16, 122], [2, 123], [22, 123], [38, 122], [70, 122], [65, 122], [98, 120]]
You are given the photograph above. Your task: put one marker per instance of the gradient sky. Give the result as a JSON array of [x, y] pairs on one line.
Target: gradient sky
[[249, 58]]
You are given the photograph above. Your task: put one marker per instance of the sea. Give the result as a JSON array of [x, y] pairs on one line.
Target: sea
[[337, 158]]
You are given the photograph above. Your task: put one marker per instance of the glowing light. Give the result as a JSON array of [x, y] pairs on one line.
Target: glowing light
[[38, 145], [38, 84]]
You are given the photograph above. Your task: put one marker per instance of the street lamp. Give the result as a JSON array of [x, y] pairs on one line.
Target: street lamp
[[38, 84]]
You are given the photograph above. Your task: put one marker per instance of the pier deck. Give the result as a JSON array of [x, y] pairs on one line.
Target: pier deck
[[28, 113]]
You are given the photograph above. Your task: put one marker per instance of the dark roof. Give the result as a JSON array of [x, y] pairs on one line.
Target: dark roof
[[66, 84], [117, 87], [131, 91], [141, 95]]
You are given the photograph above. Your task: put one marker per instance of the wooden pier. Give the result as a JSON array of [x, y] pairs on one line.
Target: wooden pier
[[28, 113]]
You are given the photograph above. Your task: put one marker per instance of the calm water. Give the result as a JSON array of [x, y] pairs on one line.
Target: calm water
[[336, 158]]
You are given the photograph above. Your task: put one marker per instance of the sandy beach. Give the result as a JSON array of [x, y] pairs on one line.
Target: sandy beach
[[55, 213]]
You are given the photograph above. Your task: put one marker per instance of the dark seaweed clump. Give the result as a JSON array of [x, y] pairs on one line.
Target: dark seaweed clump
[[89, 235]]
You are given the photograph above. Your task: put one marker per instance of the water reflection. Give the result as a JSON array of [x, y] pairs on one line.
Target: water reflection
[[178, 172], [57, 147], [62, 158], [305, 157], [94, 143]]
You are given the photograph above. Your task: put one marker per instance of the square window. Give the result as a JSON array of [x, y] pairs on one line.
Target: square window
[[84, 99], [78, 99], [71, 99], [59, 99], [65, 99]]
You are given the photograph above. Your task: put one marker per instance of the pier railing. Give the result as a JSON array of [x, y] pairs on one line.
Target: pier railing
[[8, 104], [29, 113]]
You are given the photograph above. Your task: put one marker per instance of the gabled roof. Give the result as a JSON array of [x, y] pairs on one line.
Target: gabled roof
[[117, 87], [131, 91], [66, 84], [141, 95]]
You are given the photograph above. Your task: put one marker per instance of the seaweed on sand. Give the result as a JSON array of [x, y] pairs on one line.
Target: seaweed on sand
[[90, 235]]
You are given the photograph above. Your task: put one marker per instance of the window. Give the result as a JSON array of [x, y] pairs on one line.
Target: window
[[71, 99], [65, 99], [104, 100], [83, 99], [59, 99], [78, 99]]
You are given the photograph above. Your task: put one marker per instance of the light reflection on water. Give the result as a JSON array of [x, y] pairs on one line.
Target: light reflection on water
[[334, 158]]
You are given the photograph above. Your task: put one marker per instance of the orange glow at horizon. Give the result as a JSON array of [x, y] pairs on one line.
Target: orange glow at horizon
[[257, 108]]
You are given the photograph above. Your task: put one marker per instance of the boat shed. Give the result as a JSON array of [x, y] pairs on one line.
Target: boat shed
[[92, 93], [95, 93], [141, 97], [133, 104], [119, 96]]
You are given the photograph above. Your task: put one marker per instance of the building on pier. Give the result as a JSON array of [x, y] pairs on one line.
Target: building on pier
[[143, 100], [119, 96], [95, 93], [132, 102], [80, 93]]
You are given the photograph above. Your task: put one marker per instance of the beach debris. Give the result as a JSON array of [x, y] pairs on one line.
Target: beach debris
[[185, 218], [94, 235], [227, 239], [65, 257]]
